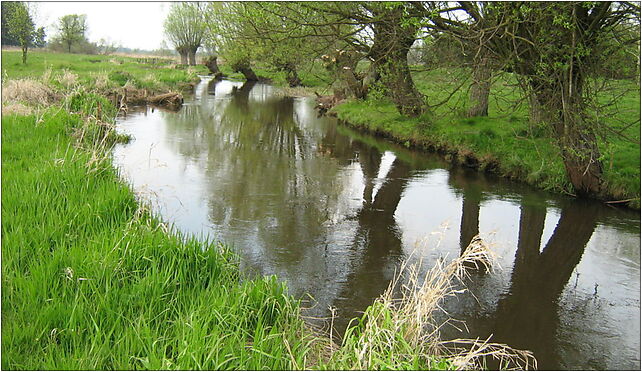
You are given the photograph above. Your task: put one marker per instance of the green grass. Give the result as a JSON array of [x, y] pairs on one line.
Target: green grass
[[91, 282], [112, 71], [504, 142]]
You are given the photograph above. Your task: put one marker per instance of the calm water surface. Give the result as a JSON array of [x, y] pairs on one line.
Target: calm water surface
[[334, 212]]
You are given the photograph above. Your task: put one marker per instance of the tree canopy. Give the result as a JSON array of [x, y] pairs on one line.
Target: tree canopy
[[18, 27], [185, 28], [72, 29]]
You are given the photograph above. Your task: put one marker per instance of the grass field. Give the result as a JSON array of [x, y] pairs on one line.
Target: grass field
[[101, 73], [504, 142]]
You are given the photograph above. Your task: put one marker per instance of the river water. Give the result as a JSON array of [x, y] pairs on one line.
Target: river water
[[334, 212]]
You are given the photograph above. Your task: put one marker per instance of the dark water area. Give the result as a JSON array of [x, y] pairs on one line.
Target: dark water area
[[334, 212]]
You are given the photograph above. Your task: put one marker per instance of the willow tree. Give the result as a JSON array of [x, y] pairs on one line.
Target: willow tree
[[287, 36], [557, 48], [185, 27], [474, 28], [379, 32]]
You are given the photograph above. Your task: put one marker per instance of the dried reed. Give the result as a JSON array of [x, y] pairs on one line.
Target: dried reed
[[398, 333], [26, 91]]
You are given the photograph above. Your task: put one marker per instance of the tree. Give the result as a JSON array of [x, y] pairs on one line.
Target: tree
[[22, 28], [185, 28], [381, 32], [475, 32], [72, 29], [8, 8], [557, 49], [39, 38]]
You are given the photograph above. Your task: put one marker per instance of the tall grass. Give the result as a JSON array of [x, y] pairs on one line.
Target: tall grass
[[401, 333], [91, 281]]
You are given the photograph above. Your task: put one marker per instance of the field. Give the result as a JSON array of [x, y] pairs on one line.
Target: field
[[102, 73]]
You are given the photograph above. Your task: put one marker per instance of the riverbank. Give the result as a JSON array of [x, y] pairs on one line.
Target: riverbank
[[92, 280], [504, 143]]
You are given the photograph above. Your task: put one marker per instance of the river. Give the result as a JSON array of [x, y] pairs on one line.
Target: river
[[334, 212]]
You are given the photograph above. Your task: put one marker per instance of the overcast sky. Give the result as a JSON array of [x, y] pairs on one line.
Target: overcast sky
[[130, 24]]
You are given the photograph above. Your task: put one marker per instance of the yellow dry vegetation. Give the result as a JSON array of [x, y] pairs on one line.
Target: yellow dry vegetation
[[26, 91]]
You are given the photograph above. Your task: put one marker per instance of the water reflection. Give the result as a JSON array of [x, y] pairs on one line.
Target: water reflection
[[333, 212], [526, 315]]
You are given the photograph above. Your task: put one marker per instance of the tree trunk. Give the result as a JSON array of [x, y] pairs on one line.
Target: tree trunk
[[355, 86], [245, 68], [24, 54], [395, 75], [183, 57], [392, 41], [347, 84], [480, 87], [192, 57], [535, 114], [293, 78], [563, 108], [212, 65]]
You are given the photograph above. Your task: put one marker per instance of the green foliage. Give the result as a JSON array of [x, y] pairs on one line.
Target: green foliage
[[21, 27], [39, 38], [92, 104], [120, 77], [8, 8], [71, 30]]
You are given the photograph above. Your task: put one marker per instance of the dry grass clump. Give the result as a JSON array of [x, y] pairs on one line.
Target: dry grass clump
[[27, 91], [401, 333], [16, 108], [47, 75], [68, 79], [101, 80]]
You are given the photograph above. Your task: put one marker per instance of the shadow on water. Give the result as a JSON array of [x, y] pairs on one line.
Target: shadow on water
[[333, 213]]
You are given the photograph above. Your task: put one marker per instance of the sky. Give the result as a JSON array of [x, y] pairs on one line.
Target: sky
[[128, 24]]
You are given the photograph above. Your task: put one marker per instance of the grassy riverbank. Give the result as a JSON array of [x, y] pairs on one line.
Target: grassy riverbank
[[504, 142], [92, 280]]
